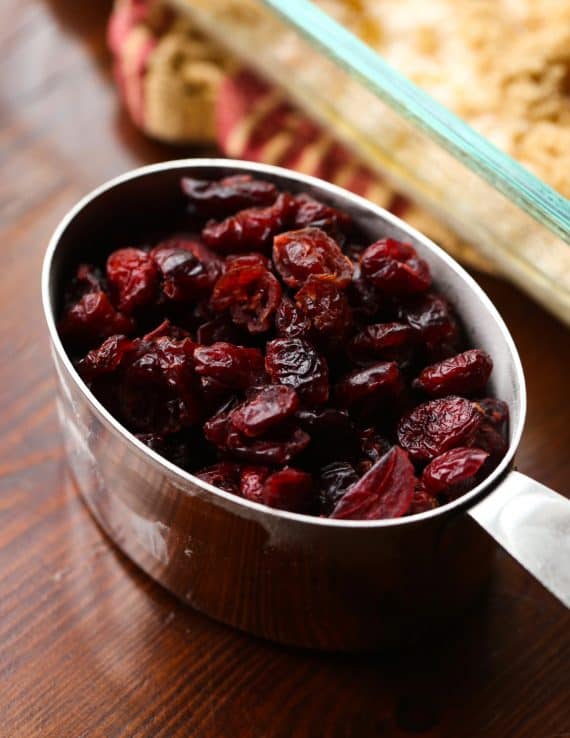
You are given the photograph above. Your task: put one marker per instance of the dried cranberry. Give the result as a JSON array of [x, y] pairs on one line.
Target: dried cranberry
[[311, 212], [464, 374], [431, 316], [224, 475], [454, 472], [310, 252], [378, 381], [134, 278], [395, 268], [107, 359], [327, 311], [289, 489], [251, 294], [386, 491], [267, 409], [335, 479], [249, 230], [212, 198], [188, 268], [383, 341], [295, 363], [274, 451], [290, 321], [277, 450], [159, 391], [92, 319], [437, 426], [252, 481], [233, 366]]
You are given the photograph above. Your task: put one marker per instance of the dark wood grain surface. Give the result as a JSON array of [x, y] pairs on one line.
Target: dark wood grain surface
[[91, 647]]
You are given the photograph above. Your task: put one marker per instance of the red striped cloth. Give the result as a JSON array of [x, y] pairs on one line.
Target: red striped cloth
[[242, 115], [252, 120]]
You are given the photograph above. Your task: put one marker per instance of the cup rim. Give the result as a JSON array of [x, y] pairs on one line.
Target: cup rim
[[183, 477]]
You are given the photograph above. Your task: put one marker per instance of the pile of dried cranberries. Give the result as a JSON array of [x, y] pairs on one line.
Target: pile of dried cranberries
[[269, 352]]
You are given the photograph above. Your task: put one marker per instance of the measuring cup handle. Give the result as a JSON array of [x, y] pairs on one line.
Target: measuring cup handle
[[532, 523]]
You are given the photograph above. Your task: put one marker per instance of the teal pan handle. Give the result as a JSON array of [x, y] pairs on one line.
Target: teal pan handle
[[473, 150]]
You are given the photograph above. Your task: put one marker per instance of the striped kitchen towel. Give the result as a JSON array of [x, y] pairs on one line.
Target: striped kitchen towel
[[180, 87]]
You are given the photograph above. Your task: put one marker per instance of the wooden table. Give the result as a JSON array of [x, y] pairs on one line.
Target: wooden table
[[89, 646]]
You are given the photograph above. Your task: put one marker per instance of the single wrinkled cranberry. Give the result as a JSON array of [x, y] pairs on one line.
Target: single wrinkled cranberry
[[422, 501], [395, 268], [289, 489], [251, 294], [268, 408], [496, 412], [224, 475], [133, 277], [250, 230], [454, 472], [113, 353], [378, 381], [277, 450], [327, 311], [274, 451], [290, 321], [234, 366], [385, 491], [296, 364], [159, 391], [251, 482], [335, 479], [465, 374], [437, 426], [431, 316], [393, 341], [212, 198], [310, 252], [92, 319], [311, 212], [189, 270]]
